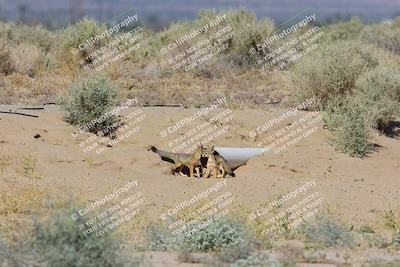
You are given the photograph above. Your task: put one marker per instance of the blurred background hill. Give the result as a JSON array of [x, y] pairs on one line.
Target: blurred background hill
[[159, 13]]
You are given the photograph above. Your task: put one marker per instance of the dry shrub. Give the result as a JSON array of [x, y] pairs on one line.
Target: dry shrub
[[6, 63], [248, 31], [327, 231], [378, 93], [350, 129], [28, 34], [23, 199], [58, 241], [71, 37], [347, 30], [90, 103], [27, 59], [20, 88], [330, 74], [385, 35]]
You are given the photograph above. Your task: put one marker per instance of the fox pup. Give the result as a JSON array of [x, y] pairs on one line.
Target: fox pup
[[215, 164], [181, 160]]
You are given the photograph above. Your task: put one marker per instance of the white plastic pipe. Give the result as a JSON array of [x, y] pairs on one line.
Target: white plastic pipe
[[238, 156]]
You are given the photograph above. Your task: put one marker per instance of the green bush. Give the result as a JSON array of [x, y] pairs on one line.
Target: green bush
[[378, 92], [58, 243], [90, 104], [328, 232], [216, 236], [350, 128], [330, 74], [385, 35]]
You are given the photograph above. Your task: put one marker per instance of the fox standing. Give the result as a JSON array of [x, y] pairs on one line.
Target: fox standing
[[216, 163], [181, 160]]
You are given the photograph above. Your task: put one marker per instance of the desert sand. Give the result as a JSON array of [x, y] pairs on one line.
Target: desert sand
[[354, 189]]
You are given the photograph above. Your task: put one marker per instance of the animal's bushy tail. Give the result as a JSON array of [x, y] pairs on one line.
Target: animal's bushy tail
[[228, 169], [165, 155]]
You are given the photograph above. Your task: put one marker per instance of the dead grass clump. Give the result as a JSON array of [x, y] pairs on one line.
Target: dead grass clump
[[344, 30], [74, 35], [330, 74], [23, 199], [378, 92], [28, 167], [385, 34], [326, 231], [6, 63], [27, 59], [5, 162]]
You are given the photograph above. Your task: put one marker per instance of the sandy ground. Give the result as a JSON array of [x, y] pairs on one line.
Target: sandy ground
[[356, 190]]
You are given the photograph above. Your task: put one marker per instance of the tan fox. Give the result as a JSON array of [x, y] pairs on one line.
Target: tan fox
[[212, 166], [181, 160], [215, 164]]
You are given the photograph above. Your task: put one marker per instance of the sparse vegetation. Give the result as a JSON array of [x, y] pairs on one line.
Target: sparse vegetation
[[347, 30], [71, 37], [378, 93], [58, 242], [90, 104], [366, 229], [215, 236], [5, 161], [352, 74], [6, 63], [385, 34], [326, 231], [397, 237], [257, 260], [350, 127], [27, 59], [29, 167], [330, 74], [389, 221], [228, 239], [355, 90], [23, 199]]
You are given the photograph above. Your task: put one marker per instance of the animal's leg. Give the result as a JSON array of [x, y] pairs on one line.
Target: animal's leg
[[223, 173], [207, 173], [179, 170], [198, 172], [174, 168], [215, 172], [191, 170]]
